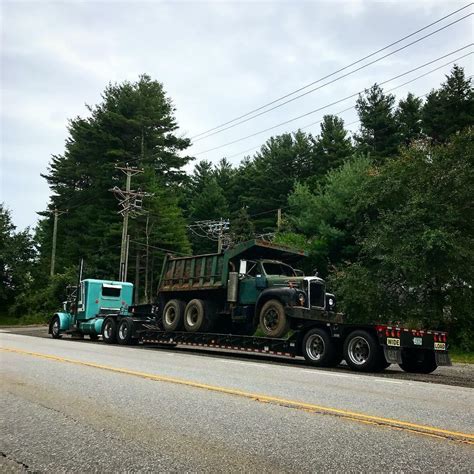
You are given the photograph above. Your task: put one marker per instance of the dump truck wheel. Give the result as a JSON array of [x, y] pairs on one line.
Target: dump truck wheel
[[319, 349], [195, 317], [418, 362], [55, 328], [273, 320], [173, 315], [109, 331], [362, 352], [124, 331]]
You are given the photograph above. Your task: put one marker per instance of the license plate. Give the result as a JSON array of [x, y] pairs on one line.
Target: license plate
[[392, 341], [418, 341], [440, 346]]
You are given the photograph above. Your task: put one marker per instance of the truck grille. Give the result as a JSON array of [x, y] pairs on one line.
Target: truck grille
[[316, 294]]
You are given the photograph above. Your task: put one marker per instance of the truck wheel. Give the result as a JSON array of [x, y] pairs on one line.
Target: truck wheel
[[173, 314], [197, 317], [109, 331], [273, 320], [124, 331], [362, 352], [319, 350], [418, 361], [55, 328]]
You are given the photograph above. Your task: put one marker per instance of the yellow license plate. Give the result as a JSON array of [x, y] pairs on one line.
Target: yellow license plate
[[440, 346], [393, 341]]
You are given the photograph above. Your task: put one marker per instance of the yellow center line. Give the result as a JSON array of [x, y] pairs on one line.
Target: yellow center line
[[355, 416]]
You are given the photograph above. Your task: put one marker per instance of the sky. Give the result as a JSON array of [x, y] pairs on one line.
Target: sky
[[217, 60]]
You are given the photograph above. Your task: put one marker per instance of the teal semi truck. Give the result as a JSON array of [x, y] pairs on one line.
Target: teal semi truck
[[223, 300]]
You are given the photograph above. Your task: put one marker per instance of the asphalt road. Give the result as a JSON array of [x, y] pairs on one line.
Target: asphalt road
[[72, 406]]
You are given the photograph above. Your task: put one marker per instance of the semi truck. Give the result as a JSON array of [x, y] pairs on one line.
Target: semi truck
[[247, 298]]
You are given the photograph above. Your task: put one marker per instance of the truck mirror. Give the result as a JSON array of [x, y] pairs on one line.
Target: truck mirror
[[243, 267]]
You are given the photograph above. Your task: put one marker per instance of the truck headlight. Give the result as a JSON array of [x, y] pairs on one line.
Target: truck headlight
[[331, 302]]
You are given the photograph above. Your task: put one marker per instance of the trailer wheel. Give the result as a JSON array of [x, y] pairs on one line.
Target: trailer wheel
[[362, 352], [55, 327], [197, 317], [109, 331], [418, 361], [173, 315], [124, 331], [273, 320], [319, 350]]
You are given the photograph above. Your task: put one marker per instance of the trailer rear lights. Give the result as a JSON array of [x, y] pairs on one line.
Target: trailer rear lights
[[387, 333]]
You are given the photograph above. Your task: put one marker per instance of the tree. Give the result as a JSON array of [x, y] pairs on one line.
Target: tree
[[408, 118], [133, 123], [332, 147], [378, 131], [241, 227], [17, 256], [450, 108]]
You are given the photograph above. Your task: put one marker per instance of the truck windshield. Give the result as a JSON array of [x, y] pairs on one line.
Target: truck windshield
[[277, 268]]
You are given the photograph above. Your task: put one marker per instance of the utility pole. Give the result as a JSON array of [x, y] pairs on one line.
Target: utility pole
[[56, 213], [279, 219], [131, 205]]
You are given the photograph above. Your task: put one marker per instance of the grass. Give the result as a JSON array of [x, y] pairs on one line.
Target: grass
[[26, 320], [462, 357]]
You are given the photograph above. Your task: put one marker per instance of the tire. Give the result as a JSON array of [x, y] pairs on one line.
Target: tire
[[319, 349], [55, 328], [124, 331], [362, 352], [173, 315], [109, 331], [197, 316], [418, 362], [273, 320]]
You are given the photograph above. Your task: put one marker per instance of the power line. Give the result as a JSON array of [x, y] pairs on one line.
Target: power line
[[328, 105], [338, 71]]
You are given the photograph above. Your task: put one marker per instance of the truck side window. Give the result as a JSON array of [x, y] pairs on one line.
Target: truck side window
[[253, 269]]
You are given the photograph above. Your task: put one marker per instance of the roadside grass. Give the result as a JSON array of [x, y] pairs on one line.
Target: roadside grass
[[6, 320], [461, 357]]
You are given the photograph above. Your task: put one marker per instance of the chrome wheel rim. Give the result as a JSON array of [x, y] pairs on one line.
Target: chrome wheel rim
[[55, 328], [192, 316], [170, 316], [315, 347], [123, 331], [359, 350], [271, 319], [108, 330]]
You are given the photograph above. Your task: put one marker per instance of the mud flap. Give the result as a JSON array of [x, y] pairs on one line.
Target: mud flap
[[392, 354], [442, 358]]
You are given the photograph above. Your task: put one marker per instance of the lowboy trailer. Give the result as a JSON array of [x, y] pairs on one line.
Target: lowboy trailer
[[203, 301]]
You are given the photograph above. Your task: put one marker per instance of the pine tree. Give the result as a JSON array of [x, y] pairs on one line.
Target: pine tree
[[378, 132], [408, 117], [449, 109], [241, 227]]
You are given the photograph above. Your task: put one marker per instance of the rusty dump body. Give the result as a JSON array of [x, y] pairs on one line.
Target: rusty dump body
[[211, 271]]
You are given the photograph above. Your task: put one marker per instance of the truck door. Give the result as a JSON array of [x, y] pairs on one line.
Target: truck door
[[248, 292]]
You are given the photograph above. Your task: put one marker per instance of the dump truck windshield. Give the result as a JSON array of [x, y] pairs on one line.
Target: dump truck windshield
[[277, 268]]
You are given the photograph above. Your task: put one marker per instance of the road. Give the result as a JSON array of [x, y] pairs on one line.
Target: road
[[75, 406]]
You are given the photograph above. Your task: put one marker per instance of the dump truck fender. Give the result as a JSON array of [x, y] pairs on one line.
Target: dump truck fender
[[286, 295]]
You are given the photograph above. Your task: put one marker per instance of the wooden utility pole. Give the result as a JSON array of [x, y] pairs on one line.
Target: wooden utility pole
[[279, 219], [56, 213]]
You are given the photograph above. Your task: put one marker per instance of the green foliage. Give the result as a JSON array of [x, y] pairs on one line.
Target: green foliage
[[241, 227], [408, 117]]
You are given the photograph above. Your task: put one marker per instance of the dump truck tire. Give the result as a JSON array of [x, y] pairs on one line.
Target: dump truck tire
[[273, 320], [319, 349], [418, 362], [197, 317], [109, 331], [362, 352], [173, 315], [124, 331], [55, 327]]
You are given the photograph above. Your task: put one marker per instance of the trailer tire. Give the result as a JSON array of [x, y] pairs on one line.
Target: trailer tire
[[273, 320], [319, 350], [418, 361], [173, 314], [124, 331], [55, 328], [109, 331], [362, 352], [197, 317]]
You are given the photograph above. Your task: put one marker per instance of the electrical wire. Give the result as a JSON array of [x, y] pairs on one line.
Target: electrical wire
[[207, 132]]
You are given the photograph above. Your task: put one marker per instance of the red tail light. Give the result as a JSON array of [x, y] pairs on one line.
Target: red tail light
[[387, 333], [398, 333], [435, 337]]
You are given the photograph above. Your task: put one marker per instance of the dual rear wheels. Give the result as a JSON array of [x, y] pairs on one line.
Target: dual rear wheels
[[121, 331], [195, 316]]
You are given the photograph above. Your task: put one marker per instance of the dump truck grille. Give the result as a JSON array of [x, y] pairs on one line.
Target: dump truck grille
[[316, 294]]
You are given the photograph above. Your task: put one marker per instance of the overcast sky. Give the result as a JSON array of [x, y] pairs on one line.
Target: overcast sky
[[217, 60]]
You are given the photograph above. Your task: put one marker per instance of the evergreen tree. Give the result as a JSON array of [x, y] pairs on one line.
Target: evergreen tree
[[408, 117], [378, 131], [450, 108], [241, 227]]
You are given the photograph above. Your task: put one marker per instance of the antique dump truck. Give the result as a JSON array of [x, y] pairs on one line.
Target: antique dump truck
[[219, 300]]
